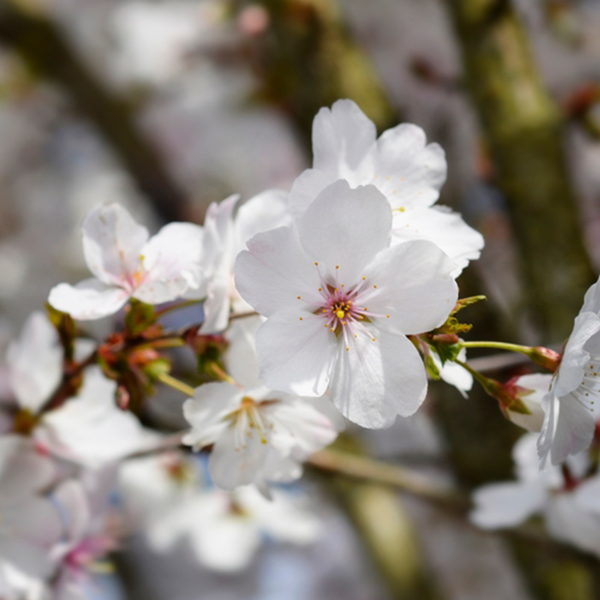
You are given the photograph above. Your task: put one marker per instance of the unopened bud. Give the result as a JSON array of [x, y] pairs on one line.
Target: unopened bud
[[549, 359]]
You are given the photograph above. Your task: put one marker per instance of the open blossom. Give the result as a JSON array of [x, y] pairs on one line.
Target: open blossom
[[224, 530], [568, 501], [571, 405], [340, 301], [29, 522], [127, 263], [225, 236], [404, 169], [258, 435]]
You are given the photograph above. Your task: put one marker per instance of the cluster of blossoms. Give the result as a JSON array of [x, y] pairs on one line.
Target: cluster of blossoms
[[329, 303]]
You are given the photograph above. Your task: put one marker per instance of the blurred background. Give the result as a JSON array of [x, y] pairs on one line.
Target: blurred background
[[168, 105]]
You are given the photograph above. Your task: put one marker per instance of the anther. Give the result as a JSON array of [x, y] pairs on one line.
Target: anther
[[301, 318], [316, 264], [337, 266], [320, 289], [364, 278], [375, 286], [298, 297], [373, 340], [347, 348], [340, 314], [387, 316]]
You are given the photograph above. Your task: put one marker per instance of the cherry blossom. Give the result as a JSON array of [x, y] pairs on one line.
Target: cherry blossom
[[567, 501], [532, 389], [224, 529], [340, 301], [225, 237], [571, 405], [406, 171], [29, 522], [258, 435], [127, 263]]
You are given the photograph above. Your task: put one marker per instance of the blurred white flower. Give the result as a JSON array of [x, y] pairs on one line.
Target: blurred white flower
[[88, 428], [126, 263], [224, 237], [533, 389], [29, 523], [568, 502], [404, 169], [224, 529], [340, 301], [572, 403]]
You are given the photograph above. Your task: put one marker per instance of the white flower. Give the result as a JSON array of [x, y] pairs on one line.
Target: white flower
[[569, 504], [340, 301], [126, 263], [29, 523], [259, 435], [454, 374], [572, 403], [224, 529], [88, 428], [225, 236], [408, 172]]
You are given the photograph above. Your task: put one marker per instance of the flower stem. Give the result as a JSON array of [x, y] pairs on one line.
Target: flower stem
[[243, 315], [499, 346], [174, 307], [216, 370], [545, 357], [176, 384]]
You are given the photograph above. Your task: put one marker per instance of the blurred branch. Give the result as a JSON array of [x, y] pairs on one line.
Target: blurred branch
[[524, 129], [43, 47], [307, 60]]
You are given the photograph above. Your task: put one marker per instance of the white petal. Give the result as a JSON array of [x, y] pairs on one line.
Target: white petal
[[299, 425], [375, 381], [446, 229], [89, 299], [346, 228], [414, 285], [591, 302], [570, 372], [240, 357], [35, 362], [274, 271], [568, 429], [566, 521], [538, 384], [265, 211], [71, 498], [172, 263], [217, 306], [296, 353], [26, 557], [206, 411], [90, 428], [507, 504], [407, 171], [33, 520], [587, 495], [238, 456], [112, 243], [343, 138], [306, 188], [454, 374]]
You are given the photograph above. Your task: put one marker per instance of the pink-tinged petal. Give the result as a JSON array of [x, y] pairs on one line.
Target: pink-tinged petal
[[88, 300], [343, 138], [507, 504], [445, 228], [568, 429], [172, 262], [378, 378], [566, 521], [217, 306], [408, 172], [575, 356], [206, 411], [296, 353], [113, 243], [35, 362], [263, 212], [344, 229], [274, 271], [306, 188], [238, 454], [413, 283]]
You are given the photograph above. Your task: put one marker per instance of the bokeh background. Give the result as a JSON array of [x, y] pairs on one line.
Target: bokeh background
[[168, 105]]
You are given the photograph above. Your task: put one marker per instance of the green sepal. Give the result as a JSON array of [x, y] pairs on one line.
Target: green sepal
[[431, 367], [448, 352], [139, 317], [66, 328], [156, 368]]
